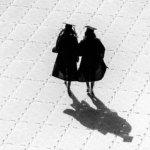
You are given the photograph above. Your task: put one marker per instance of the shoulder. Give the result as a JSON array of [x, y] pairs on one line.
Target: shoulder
[[98, 40]]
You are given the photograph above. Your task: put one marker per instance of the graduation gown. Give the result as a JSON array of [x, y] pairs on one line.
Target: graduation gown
[[92, 66], [65, 66]]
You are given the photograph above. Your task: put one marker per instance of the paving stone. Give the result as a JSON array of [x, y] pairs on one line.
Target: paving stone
[[44, 4], [22, 134], [112, 41], [145, 14], [66, 5], [18, 69], [127, 145], [37, 148], [35, 100], [142, 64], [141, 28], [139, 124], [6, 29], [48, 137], [124, 101], [68, 141], [108, 57], [28, 90], [146, 48], [8, 86], [143, 104], [123, 27], [40, 71], [80, 19], [23, 3], [133, 44], [58, 117], [113, 81], [98, 140], [35, 16], [79, 91], [135, 82], [8, 2], [44, 34], [131, 9], [139, 1], [5, 128], [10, 147], [3, 8], [147, 88], [22, 32], [14, 14], [101, 22], [48, 56], [122, 61], [145, 144], [104, 95], [2, 101], [56, 18], [31, 51], [66, 100], [87, 6], [51, 93], [15, 46], [110, 7], [4, 63], [37, 113], [13, 109]]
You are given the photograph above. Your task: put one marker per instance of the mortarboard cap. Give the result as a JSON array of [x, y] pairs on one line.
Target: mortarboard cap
[[68, 25], [90, 28]]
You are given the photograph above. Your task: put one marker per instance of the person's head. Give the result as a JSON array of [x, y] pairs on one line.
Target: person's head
[[68, 27], [69, 30], [89, 33]]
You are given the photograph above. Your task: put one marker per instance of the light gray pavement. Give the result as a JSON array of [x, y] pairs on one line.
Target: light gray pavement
[[32, 101]]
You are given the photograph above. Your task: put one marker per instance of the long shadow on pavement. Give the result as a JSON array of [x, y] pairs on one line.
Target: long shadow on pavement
[[102, 119]]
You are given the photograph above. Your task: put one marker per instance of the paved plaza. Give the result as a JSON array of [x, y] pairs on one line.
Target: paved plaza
[[36, 112]]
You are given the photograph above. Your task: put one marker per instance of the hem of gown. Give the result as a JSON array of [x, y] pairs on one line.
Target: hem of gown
[[89, 80], [64, 79]]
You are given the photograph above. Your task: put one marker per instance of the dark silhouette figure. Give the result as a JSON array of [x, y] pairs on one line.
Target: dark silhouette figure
[[65, 66], [92, 67], [102, 119]]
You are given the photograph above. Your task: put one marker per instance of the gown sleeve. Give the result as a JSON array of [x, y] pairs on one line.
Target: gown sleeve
[[101, 48]]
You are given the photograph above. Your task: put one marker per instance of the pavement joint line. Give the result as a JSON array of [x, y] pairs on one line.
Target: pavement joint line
[[114, 89], [93, 14], [21, 47], [99, 6], [140, 95], [13, 92], [41, 126], [114, 18], [118, 90], [18, 21], [7, 7], [143, 137], [135, 59]]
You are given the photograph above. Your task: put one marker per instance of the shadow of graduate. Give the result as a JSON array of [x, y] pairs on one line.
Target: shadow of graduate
[[102, 119]]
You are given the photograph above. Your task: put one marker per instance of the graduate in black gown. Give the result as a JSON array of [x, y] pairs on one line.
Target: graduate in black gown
[[65, 66], [92, 67]]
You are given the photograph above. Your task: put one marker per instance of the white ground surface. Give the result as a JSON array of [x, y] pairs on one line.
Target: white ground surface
[[32, 101]]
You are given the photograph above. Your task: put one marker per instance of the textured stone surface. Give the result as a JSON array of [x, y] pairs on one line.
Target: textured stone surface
[[32, 102]]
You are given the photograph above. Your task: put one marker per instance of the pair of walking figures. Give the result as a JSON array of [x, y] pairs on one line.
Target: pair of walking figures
[[92, 67]]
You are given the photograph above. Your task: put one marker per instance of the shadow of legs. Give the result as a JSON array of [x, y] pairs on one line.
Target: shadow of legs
[[101, 119]]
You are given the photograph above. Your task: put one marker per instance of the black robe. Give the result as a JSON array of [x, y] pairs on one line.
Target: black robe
[[65, 66], [92, 66]]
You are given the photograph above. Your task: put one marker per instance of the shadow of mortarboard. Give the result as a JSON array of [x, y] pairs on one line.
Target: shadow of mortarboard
[[102, 119]]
